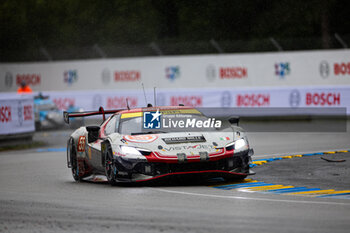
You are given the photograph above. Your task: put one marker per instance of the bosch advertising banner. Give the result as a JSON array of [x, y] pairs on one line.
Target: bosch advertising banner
[[16, 114], [283, 98], [254, 70]]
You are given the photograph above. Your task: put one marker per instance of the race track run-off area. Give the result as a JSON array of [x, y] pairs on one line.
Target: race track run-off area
[[301, 185]]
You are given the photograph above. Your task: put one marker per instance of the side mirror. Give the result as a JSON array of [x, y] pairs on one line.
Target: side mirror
[[93, 132], [234, 120]]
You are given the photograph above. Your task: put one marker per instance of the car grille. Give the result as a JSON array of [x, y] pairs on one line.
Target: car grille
[[226, 164]]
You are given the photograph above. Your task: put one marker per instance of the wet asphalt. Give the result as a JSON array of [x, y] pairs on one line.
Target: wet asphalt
[[38, 194]]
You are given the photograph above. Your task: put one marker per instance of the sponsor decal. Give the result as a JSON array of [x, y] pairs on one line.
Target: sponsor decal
[[282, 69], [211, 73], [152, 120], [294, 98], [140, 138], [184, 139], [119, 154], [8, 80], [106, 76], [30, 79], [342, 68], [226, 99], [324, 69], [81, 144], [28, 112], [120, 102], [253, 100], [127, 76], [322, 99], [5, 114], [172, 72], [233, 72], [70, 76], [64, 103], [188, 147], [194, 101]]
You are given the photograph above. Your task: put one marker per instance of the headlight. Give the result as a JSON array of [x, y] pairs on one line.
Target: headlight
[[134, 151], [240, 143], [129, 150], [230, 146]]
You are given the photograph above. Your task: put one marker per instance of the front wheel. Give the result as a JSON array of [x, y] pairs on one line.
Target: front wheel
[[73, 159], [110, 168]]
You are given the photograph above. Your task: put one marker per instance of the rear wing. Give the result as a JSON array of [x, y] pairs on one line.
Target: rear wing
[[101, 111]]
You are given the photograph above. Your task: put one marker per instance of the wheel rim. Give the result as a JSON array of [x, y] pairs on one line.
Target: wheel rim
[[74, 160], [109, 166]]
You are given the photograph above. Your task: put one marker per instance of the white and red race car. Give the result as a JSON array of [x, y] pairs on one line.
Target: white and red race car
[[148, 144]]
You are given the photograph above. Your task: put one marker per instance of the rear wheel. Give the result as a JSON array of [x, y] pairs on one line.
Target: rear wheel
[[73, 159], [110, 168]]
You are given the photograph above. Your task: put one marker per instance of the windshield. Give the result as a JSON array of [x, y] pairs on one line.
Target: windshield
[[169, 123]]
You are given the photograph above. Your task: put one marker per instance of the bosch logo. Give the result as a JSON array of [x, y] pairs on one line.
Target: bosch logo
[[294, 98], [70, 76], [226, 99], [120, 102], [253, 100], [324, 69], [127, 76], [211, 73], [322, 99], [233, 72], [8, 80], [342, 68], [30, 79], [64, 103], [27, 112], [194, 101], [5, 114]]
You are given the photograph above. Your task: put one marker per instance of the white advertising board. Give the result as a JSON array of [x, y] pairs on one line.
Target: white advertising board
[[284, 97], [16, 114], [254, 70]]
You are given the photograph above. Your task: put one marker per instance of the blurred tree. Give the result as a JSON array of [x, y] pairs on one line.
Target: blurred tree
[[29, 24]]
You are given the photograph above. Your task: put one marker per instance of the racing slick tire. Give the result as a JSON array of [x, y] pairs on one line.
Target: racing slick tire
[[110, 168], [73, 159]]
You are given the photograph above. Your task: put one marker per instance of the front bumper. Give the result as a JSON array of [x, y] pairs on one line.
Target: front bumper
[[235, 166]]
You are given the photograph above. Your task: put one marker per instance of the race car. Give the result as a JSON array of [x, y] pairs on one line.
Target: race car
[[157, 143], [46, 113]]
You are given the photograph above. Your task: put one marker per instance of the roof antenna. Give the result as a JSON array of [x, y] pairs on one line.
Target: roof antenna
[[144, 93], [155, 97], [127, 104]]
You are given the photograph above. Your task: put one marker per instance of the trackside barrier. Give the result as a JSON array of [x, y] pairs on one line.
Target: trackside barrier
[[276, 101], [16, 114]]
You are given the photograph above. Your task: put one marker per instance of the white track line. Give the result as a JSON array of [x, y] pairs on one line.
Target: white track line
[[247, 198]]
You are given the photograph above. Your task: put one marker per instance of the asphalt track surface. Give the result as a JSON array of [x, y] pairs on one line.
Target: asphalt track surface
[[38, 194]]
